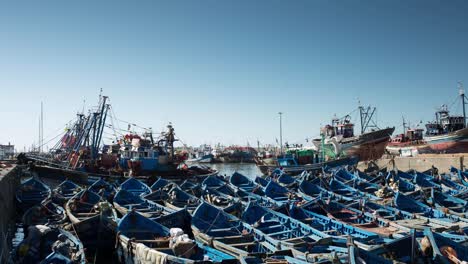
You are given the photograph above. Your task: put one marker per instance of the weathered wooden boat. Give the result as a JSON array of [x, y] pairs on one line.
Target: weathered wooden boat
[[244, 183], [280, 193], [400, 250], [125, 201], [310, 191], [462, 175], [45, 213], [64, 191], [214, 227], [345, 190], [135, 186], [214, 181], [103, 189], [32, 192], [94, 220], [452, 227], [179, 199], [49, 245], [142, 240], [333, 227], [449, 203], [403, 202], [443, 250], [305, 238], [294, 169], [161, 183], [192, 188], [347, 215]]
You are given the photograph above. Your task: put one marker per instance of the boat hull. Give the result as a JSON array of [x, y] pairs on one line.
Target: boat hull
[[455, 142], [368, 146], [294, 170]]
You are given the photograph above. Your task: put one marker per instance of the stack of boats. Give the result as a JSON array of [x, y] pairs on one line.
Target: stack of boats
[[341, 215]]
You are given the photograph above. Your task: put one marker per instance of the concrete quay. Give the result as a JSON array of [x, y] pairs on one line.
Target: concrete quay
[[442, 162]]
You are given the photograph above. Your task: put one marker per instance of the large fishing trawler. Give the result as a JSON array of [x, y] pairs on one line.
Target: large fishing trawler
[[369, 145]]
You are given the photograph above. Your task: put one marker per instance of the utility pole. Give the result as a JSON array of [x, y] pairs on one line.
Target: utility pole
[[462, 95], [281, 133], [42, 128]]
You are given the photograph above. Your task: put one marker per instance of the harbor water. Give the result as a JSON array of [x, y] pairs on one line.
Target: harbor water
[[248, 169]]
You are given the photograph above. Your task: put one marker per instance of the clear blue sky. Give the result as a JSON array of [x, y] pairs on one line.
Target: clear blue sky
[[221, 70]]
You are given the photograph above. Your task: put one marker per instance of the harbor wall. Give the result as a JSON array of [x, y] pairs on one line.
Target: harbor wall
[[9, 181], [442, 162]]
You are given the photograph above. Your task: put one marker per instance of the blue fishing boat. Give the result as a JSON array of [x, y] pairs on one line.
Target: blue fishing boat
[[310, 238], [64, 191], [32, 192], [461, 175], [214, 227], [135, 186], [333, 227], [289, 165], [141, 240], [449, 203], [347, 215], [178, 199], [125, 201], [452, 227], [214, 181], [310, 191], [400, 250], [442, 249], [103, 189], [191, 187], [244, 183], [280, 193], [160, 183], [47, 245], [345, 190], [45, 213], [94, 220]]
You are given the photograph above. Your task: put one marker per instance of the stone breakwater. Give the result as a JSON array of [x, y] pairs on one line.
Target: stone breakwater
[[9, 181]]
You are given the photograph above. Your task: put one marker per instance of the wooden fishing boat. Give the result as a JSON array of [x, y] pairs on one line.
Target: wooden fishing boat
[[49, 245], [403, 202], [214, 181], [44, 213], [179, 199], [400, 250], [345, 190], [64, 191], [125, 201], [280, 193], [141, 240], [452, 227], [214, 227], [192, 188], [160, 183], [449, 203], [333, 227], [443, 250], [32, 192], [305, 238], [135, 186], [293, 168], [345, 214], [310, 191], [94, 220], [242, 182], [103, 189]]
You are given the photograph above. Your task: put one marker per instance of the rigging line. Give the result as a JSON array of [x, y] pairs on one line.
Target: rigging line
[[63, 133], [57, 130]]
